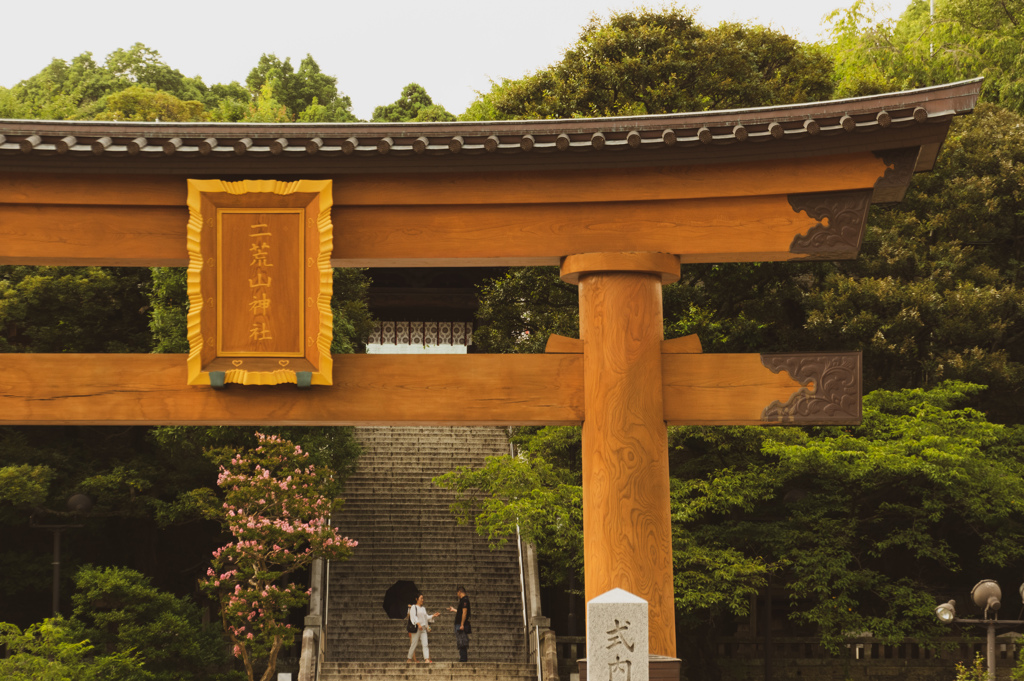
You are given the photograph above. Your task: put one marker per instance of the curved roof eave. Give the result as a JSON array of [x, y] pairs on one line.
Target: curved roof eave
[[914, 118]]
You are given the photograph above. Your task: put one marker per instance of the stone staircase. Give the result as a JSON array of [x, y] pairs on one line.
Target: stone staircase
[[406, 532], [439, 671]]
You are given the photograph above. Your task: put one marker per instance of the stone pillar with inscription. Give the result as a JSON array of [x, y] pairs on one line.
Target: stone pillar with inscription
[[617, 647]]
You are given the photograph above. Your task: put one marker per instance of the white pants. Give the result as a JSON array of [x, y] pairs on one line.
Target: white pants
[[420, 635]]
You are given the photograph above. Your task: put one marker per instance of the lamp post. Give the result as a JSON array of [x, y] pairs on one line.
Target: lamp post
[[985, 594], [79, 503]]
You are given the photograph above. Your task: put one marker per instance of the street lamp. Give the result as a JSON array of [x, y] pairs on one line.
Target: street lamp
[[78, 503], [986, 594], [946, 612]]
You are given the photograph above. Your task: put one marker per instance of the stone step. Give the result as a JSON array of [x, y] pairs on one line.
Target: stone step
[[366, 587], [430, 453], [403, 559], [409, 550], [438, 671], [436, 592], [389, 573], [391, 432], [407, 531], [436, 448]]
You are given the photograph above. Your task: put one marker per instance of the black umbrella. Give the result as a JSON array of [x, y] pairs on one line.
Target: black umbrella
[[399, 597]]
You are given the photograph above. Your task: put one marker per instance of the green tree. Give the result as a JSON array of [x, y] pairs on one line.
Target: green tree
[[433, 113], [143, 66], [996, 43], [936, 293], [886, 512], [227, 102], [414, 105], [24, 485], [140, 103], [277, 507], [267, 108], [962, 40], [539, 492], [63, 90], [119, 611], [651, 62], [299, 90], [520, 309], [861, 525], [73, 309], [78, 89], [83, 89], [49, 651]]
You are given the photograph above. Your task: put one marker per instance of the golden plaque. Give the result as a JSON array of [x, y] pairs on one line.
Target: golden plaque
[[259, 282]]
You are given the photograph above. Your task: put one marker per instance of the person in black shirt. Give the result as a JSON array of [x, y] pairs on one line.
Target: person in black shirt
[[462, 626]]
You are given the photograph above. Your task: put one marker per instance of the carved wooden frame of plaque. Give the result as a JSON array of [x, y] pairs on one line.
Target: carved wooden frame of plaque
[[214, 205]]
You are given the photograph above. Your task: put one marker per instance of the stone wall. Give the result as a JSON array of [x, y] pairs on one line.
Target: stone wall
[[802, 659]]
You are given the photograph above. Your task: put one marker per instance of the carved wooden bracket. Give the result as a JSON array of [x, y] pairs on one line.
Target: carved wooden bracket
[[831, 394], [841, 218], [893, 184]]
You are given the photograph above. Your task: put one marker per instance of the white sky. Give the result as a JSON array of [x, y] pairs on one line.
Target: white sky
[[451, 47]]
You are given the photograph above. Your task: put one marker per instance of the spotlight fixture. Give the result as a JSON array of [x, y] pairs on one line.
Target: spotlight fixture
[[946, 612], [987, 594]]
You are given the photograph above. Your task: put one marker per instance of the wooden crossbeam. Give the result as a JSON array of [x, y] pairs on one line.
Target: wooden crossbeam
[[460, 220], [835, 172], [115, 389], [747, 229], [110, 389]]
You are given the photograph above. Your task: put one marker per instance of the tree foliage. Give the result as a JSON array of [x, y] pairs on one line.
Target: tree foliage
[[936, 294], [299, 90], [520, 309], [539, 492], [135, 84], [962, 40], [277, 507], [140, 103], [73, 309], [414, 105], [882, 514], [651, 62], [120, 612], [149, 486], [50, 651], [862, 526]]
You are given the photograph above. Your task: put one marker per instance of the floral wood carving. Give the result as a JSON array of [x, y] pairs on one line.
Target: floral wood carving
[[845, 214], [832, 389], [900, 165]]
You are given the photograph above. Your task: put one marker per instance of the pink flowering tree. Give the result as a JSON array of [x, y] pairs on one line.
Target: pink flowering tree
[[277, 506]]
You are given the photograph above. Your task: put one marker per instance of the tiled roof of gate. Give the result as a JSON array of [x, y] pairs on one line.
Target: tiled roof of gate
[[221, 146]]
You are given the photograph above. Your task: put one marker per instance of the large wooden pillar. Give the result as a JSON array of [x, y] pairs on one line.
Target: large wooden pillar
[[627, 532]]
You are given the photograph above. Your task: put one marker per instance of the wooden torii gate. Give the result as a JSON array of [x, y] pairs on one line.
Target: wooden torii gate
[[619, 204]]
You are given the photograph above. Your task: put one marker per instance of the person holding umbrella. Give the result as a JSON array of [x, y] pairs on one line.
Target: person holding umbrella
[[418, 616]]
